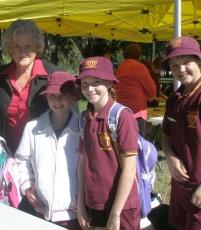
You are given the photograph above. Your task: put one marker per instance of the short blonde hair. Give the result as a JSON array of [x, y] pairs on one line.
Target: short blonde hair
[[23, 26]]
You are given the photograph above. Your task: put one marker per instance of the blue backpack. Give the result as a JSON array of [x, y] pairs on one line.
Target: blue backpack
[[146, 158]]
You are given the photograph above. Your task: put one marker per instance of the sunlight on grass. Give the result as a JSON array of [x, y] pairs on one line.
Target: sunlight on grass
[[162, 184]]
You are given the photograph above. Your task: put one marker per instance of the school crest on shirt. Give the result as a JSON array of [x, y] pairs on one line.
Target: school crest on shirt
[[192, 117], [105, 141]]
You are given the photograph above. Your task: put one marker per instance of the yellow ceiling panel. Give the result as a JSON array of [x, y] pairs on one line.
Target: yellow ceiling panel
[[139, 20]]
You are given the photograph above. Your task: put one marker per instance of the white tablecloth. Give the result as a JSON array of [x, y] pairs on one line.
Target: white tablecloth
[[13, 219], [155, 120]]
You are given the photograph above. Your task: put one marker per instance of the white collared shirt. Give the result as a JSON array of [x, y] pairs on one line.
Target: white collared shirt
[[50, 165]]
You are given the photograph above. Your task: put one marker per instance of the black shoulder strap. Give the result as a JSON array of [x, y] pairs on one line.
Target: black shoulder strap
[[82, 122], [49, 67]]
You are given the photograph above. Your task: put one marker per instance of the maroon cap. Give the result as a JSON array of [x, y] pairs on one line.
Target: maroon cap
[[56, 80], [99, 67], [181, 46]]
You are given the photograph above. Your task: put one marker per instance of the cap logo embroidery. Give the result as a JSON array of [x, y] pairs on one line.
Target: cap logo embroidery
[[91, 64], [176, 42], [192, 117], [104, 140]]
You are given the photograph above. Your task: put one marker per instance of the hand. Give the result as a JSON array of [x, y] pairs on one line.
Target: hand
[[83, 218], [177, 169], [196, 197], [113, 222], [32, 197]]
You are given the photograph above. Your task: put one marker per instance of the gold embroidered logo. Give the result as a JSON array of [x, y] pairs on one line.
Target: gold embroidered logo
[[176, 42], [105, 143], [91, 64], [192, 117]]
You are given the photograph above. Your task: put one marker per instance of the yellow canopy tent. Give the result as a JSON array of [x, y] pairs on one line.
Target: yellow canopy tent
[[139, 20]]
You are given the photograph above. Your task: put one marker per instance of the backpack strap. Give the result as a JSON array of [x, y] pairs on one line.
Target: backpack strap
[[113, 118], [82, 122], [49, 67]]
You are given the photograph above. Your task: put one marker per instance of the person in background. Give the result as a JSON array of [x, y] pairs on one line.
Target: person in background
[[181, 140], [22, 80], [47, 155], [107, 191], [136, 85], [154, 70]]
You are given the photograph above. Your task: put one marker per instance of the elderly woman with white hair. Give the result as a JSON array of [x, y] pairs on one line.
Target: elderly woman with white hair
[[22, 80]]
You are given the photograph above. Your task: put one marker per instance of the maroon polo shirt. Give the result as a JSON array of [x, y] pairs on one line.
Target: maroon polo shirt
[[182, 123], [18, 110], [101, 168]]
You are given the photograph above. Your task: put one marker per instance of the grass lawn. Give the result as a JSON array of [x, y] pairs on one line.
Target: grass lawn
[[162, 184]]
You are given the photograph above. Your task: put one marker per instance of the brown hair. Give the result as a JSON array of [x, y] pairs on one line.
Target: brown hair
[[133, 51]]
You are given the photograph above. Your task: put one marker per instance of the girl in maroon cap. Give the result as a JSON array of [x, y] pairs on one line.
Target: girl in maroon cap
[[48, 155], [182, 133], [107, 193]]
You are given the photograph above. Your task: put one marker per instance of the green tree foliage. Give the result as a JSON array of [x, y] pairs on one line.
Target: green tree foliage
[[62, 52], [67, 52]]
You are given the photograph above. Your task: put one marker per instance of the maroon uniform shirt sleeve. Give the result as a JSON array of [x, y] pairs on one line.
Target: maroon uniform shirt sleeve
[[127, 132]]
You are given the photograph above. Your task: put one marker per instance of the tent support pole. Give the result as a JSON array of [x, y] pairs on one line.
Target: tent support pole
[[153, 47], [177, 28]]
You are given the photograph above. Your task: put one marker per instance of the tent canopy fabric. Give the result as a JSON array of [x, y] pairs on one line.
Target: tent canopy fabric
[[139, 20]]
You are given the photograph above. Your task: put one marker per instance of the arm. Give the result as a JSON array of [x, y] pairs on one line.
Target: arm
[[128, 145], [196, 197], [23, 157], [128, 166], [175, 165], [82, 213]]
